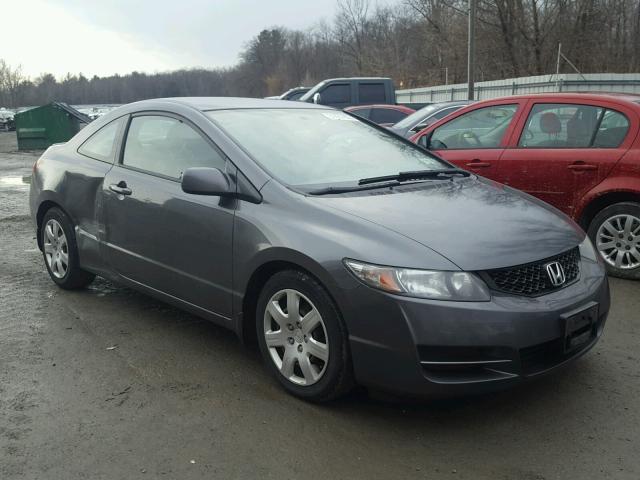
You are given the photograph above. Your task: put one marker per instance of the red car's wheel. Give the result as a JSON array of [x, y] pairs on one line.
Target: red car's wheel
[[615, 232]]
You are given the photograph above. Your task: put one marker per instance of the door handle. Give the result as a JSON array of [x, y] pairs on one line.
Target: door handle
[[581, 166], [476, 163], [120, 188]]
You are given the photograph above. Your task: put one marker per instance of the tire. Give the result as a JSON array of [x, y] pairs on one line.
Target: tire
[[321, 380], [60, 251], [614, 217]]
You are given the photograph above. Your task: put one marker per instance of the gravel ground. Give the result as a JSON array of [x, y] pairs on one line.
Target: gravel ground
[[106, 383]]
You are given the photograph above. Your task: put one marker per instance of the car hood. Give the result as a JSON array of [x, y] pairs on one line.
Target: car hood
[[475, 223]]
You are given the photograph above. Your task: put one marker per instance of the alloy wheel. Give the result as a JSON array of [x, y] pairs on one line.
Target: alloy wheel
[[296, 337], [56, 248], [618, 241]]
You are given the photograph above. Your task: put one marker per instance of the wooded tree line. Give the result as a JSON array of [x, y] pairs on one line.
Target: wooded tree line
[[416, 42]]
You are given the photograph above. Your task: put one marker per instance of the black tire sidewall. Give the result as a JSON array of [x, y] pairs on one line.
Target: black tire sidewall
[[74, 277], [622, 208], [338, 367]]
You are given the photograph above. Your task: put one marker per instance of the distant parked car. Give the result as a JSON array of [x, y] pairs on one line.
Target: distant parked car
[[347, 92], [578, 152], [294, 93], [424, 117], [7, 122], [384, 115]]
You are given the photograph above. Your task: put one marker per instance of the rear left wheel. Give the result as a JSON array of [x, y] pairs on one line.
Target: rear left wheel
[[302, 338], [60, 251]]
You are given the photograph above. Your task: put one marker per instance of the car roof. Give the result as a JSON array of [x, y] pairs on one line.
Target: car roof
[[441, 105], [379, 105], [342, 79], [628, 98], [226, 103], [454, 103]]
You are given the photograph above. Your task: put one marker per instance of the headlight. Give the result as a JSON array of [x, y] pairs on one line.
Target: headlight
[[587, 250], [432, 284]]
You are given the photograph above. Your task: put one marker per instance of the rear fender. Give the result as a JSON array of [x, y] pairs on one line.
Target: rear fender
[[612, 185]]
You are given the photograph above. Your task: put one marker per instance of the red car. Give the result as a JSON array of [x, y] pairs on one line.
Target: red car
[[578, 152], [383, 115]]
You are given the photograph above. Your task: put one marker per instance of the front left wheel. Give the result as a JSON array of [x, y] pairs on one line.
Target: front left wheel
[[302, 337], [60, 251]]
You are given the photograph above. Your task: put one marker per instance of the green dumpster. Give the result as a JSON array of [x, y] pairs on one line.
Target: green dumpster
[[40, 127]]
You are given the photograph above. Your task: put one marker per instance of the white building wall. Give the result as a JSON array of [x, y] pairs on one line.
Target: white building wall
[[565, 82]]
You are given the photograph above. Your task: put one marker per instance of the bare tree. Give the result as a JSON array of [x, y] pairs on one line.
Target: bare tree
[[416, 42], [10, 82]]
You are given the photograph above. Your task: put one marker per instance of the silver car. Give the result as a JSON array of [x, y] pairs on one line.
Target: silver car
[[424, 117]]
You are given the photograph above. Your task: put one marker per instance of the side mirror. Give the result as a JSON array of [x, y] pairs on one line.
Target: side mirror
[[205, 181], [317, 98], [419, 127]]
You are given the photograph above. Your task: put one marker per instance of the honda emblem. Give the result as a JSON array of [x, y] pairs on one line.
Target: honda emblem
[[556, 274]]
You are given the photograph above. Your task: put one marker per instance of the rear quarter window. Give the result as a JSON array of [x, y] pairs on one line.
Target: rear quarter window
[[386, 115], [362, 112], [102, 144], [612, 131], [371, 93]]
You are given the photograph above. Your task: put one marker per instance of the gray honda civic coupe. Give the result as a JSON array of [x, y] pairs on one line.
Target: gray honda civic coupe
[[350, 255]]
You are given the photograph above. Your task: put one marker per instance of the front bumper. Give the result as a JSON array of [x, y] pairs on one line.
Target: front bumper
[[441, 348]]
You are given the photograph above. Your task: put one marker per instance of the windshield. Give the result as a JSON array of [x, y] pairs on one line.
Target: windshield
[[308, 95], [305, 147], [416, 117]]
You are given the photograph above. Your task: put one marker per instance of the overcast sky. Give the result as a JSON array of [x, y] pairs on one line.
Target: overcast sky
[[103, 37]]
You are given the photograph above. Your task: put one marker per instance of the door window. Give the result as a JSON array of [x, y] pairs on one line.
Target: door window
[[340, 93], [167, 146], [435, 117], [560, 126], [612, 131], [371, 93], [480, 128], [386, 115], [444, 112], [102, 144]]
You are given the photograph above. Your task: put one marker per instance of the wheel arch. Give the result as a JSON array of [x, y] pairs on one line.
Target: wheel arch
[[604, 200], [43, 207], [275, 261]]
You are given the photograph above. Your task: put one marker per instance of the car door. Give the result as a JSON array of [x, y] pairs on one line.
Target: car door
[[562, 149], [337, 95], [474, 139], [157, 235], [85, 175], [371, 92]]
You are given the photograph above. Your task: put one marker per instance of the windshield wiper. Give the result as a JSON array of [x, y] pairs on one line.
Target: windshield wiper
[[416, 175], [351, 188]]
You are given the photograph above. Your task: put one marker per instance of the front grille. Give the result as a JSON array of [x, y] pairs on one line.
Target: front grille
[[532, 279]]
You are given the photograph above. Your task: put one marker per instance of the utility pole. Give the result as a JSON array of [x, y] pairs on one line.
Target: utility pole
[[558, 66], [562, 56], [471, 48]]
